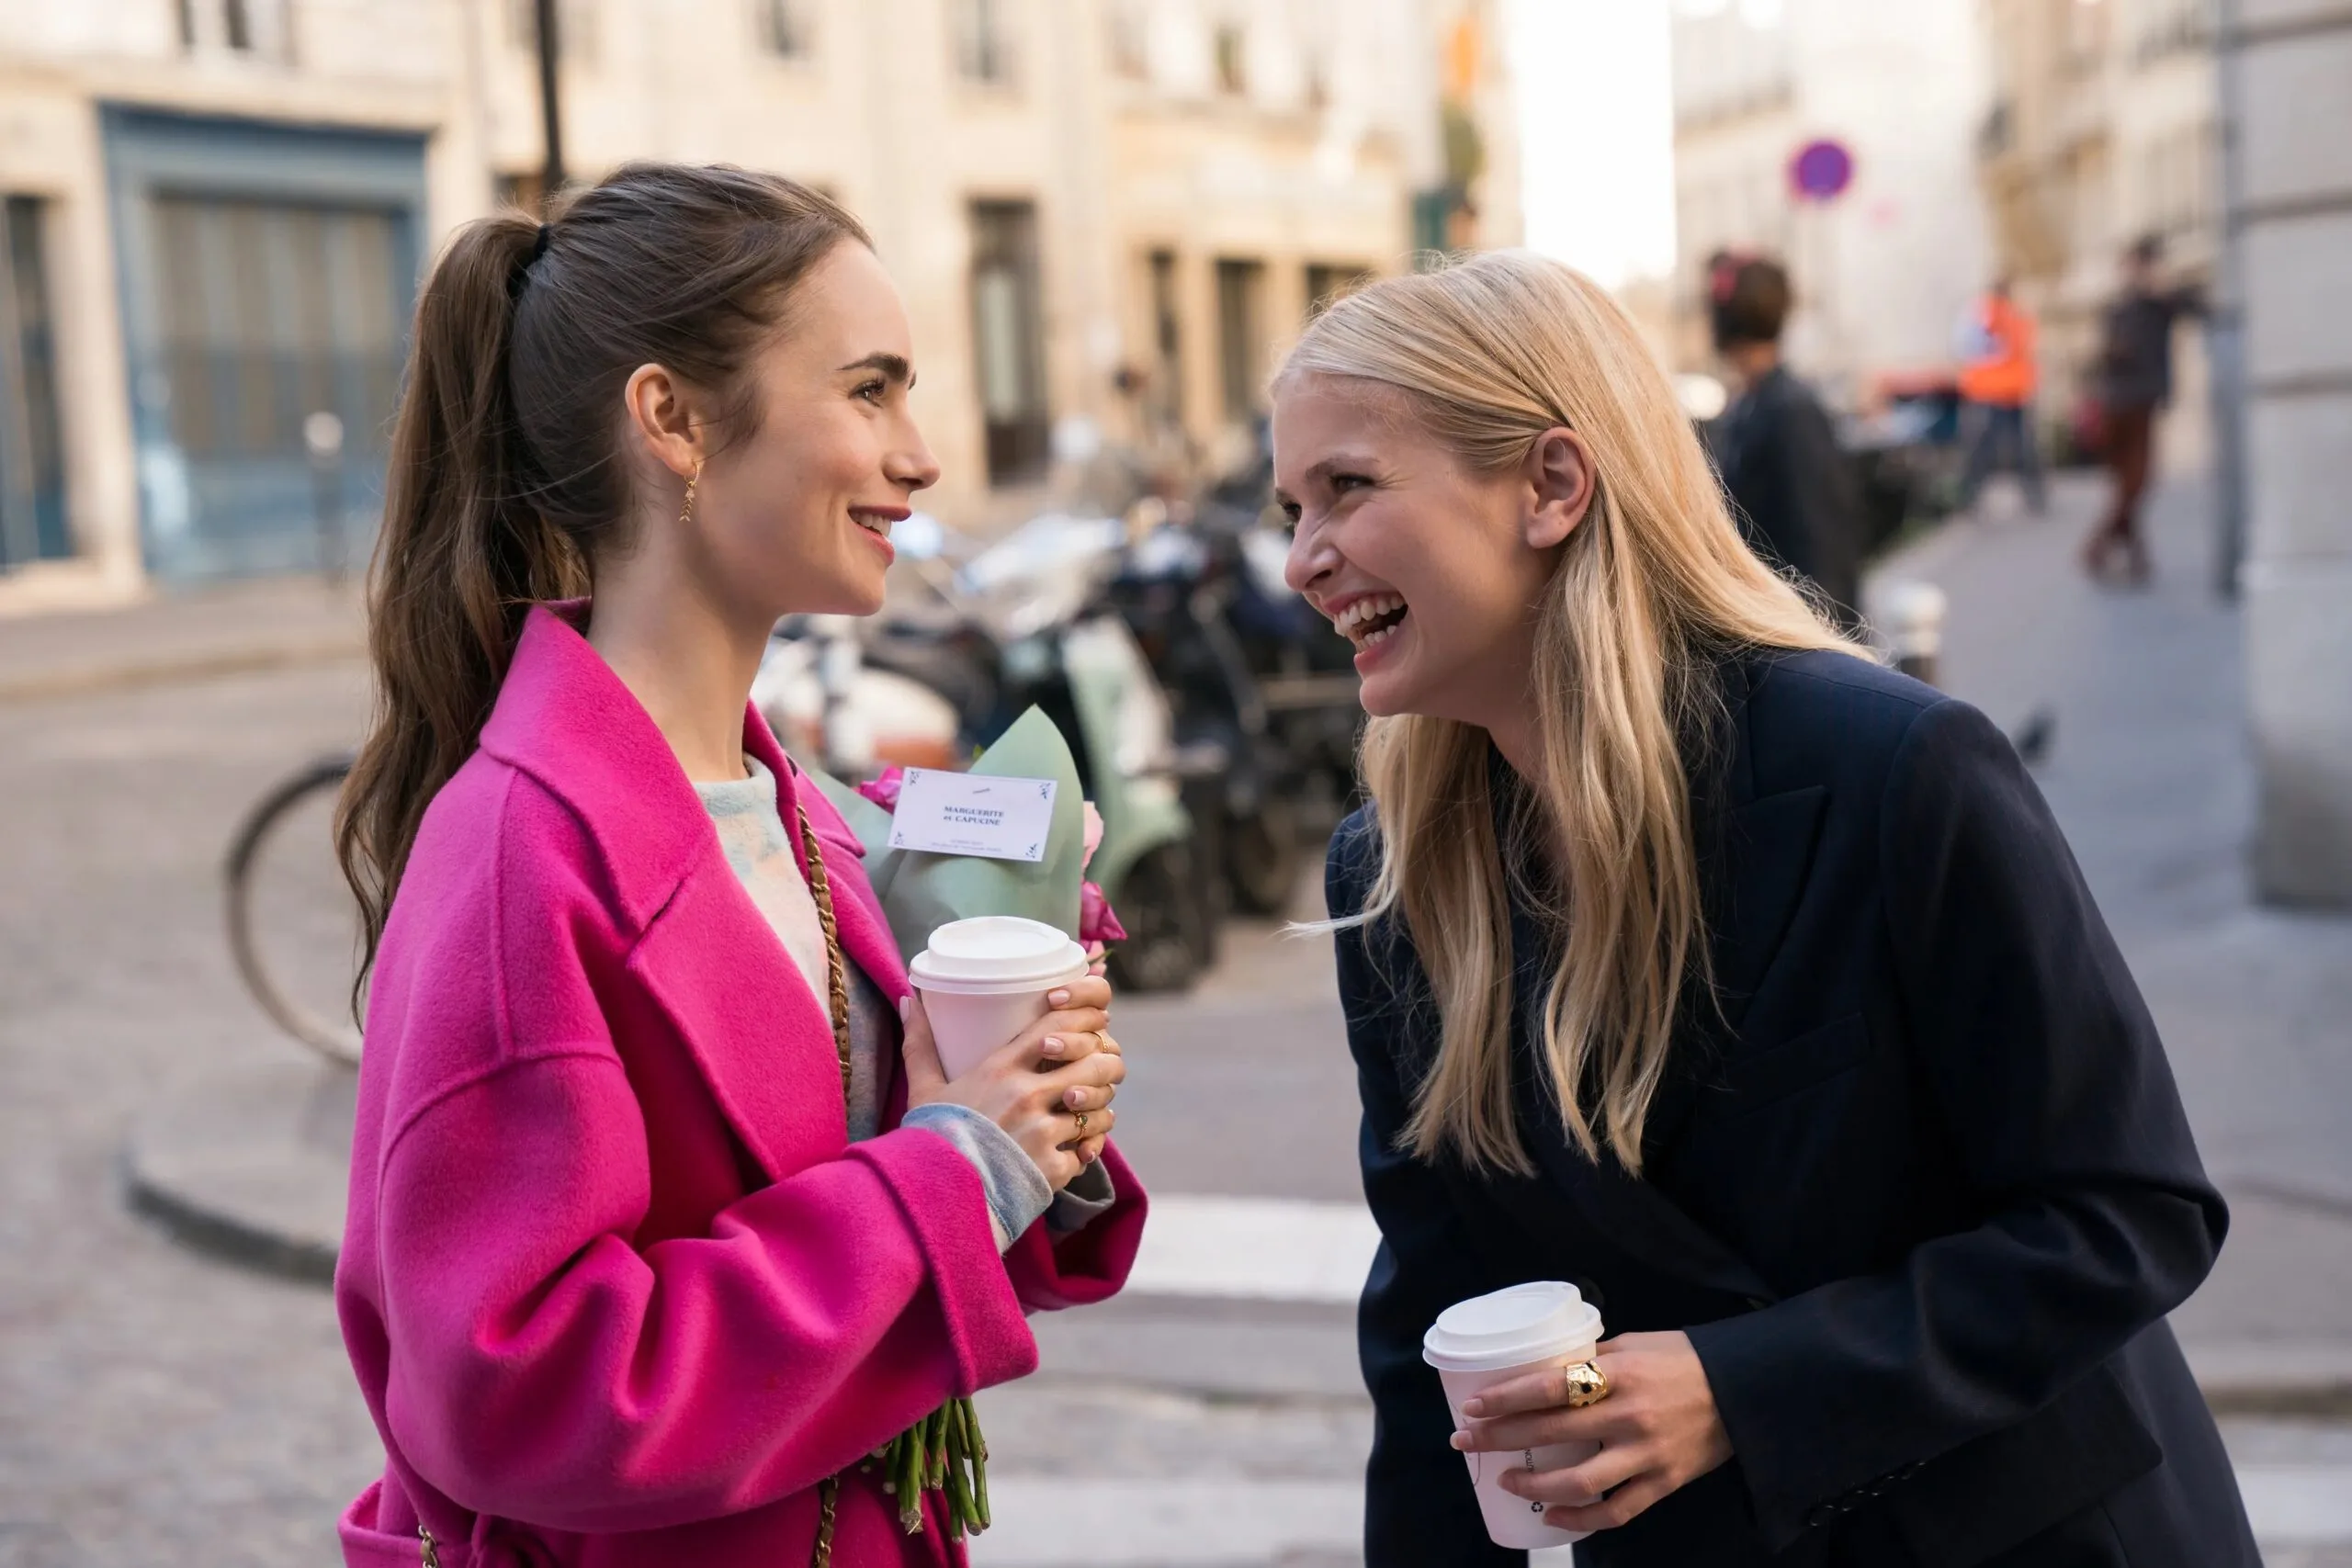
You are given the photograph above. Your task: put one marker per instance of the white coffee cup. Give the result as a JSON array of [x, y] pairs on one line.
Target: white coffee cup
[[984, 980], [1488, 1339]]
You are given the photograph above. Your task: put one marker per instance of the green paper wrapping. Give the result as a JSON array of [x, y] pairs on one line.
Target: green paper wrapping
[[920, 892]]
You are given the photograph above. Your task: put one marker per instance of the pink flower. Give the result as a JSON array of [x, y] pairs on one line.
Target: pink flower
[[883, 789], [1094, 831], [1096, 921]]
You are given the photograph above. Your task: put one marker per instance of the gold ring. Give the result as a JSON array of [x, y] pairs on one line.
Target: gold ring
[[1586, 1384], [1081, 1123]]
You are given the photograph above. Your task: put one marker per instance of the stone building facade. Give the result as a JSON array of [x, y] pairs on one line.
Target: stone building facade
[[214, 214], [2287, 74]]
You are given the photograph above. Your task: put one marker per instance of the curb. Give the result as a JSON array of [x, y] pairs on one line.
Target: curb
[[250, 1166], [226, 1236], [2312, 1380], [174, 671], [2325, 1401]]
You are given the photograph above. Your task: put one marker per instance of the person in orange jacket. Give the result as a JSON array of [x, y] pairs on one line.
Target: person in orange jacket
[[1998, 380]]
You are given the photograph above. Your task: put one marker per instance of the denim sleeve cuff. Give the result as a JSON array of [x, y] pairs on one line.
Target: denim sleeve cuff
[[1090, 1193], [1017, 1191]]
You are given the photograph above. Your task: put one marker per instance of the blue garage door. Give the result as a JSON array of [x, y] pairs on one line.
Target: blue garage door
[[268, 272], [272, 314]]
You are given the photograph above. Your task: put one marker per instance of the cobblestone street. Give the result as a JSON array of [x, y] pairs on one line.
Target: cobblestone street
[[158, 1407]]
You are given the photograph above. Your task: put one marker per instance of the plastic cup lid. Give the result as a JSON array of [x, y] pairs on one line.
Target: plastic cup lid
[[1511, 1327], [996, 951]]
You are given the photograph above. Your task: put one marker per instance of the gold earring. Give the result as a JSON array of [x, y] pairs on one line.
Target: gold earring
[[686, 512]]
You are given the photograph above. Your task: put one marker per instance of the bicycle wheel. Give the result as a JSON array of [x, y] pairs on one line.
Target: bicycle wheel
[[293, 926]]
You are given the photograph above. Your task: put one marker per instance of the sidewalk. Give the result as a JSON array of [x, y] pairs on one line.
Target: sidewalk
[[264, 624], [2149, 773]]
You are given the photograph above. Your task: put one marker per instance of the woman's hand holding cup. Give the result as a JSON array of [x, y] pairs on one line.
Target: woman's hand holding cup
[[1099, 1115], [1050, 1088], [1657, 1428]]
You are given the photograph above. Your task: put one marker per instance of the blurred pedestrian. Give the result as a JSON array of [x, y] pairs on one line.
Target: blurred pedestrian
[[2135, 376], [1688, 955], [669, 1242], [1793, 488], [1998, 377]]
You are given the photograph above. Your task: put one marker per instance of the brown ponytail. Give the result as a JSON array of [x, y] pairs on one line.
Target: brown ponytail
[[507, 482]]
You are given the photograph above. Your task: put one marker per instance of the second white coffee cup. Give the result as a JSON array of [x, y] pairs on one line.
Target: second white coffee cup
[[1490, 1339], [984, 980]]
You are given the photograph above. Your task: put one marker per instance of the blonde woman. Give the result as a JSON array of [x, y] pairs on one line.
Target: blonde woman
[[1690, 955]]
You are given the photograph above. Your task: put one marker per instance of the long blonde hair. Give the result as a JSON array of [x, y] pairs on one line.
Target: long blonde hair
[[1653, 588]]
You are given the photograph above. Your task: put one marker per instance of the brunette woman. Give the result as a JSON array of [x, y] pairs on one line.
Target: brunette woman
[[659, 1232], [1690, 957]]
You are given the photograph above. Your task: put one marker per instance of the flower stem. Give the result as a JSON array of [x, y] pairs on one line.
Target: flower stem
[[944, 1452]]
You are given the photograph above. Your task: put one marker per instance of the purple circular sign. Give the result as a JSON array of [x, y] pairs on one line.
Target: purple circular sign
[[1821, 170]]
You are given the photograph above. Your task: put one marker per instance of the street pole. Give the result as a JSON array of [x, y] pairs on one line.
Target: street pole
[[323, 437], [2226, 329], [1910, 616], [551, 178]]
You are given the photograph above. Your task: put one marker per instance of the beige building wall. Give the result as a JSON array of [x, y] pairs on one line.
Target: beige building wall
[[2292, 66], [50, 149], [1285, 134], [384, 67], [872, 108]]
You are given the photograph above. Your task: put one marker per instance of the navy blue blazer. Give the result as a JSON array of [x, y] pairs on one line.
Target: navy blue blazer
[[1920, 1191]]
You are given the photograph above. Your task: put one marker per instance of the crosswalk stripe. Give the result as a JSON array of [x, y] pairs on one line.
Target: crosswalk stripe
[[1068, 1522], [1169, 1524], [1283, 1249], [2298, 1504]]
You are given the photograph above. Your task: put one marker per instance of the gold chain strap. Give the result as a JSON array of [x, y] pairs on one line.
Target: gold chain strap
[[944, 1452], [820, 888]]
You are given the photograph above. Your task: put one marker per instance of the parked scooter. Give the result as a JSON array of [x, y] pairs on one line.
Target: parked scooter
[[828, 705], [1252, 672], [1018, 625]]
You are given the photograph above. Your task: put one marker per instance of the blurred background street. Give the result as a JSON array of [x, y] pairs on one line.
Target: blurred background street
[[1109, 218]]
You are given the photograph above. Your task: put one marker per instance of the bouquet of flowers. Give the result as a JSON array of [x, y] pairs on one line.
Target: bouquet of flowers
[[919, 892]]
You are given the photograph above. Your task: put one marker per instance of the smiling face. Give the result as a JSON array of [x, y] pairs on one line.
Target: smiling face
[[795, 516], [1435, 573]]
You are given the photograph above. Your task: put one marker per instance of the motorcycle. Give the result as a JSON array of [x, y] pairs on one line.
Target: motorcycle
[[826, 704], [1253, 674]]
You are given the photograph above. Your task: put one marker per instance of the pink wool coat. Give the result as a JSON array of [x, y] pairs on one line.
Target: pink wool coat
[[618, 1289]]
